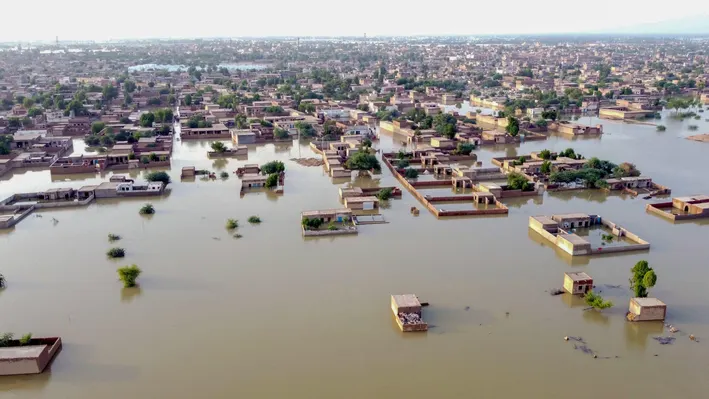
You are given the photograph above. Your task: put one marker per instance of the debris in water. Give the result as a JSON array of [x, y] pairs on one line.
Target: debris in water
[[556, 291], [664, 340], [566, 338], [308, 161], [584, 348], [467, 308], [239, 236], [38, 215], [693, 338], [216, 239], [55, 221], [611, 286], [673, 329], [577, 339]]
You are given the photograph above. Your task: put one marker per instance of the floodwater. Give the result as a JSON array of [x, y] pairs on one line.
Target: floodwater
[[273, 315]]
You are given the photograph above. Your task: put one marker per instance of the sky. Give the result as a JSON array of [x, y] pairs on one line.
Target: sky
[[43, 20]]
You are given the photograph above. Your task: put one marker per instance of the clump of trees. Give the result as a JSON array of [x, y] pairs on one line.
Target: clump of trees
[[464, 148], [517, 181], [402, 163], [385, 193], [305, 129], [128, 275], [445, 125], [273, 167], [147, 209], [218, 147], [643, 277], [596, 301], [411, 173], [116, 253], [158, 176], [5, 141], [280, 134], [512, 127], [198, 121], [362, 160], [312, 224], [272, 180]]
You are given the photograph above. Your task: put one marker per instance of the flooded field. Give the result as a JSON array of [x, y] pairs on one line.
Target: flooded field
[[274, 315]]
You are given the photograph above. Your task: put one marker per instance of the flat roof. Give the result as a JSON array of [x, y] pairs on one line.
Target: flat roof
[[363, 199], [545, 220], [253, 178], [325, 212], [693, 198], [571, 216], [406, 301], [578, 276], [648, 302], [108, 185], [21, 352], [574, 239], [5, 218]]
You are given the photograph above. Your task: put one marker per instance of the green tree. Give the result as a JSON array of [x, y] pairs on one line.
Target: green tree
[[661, 128], [512, 126], [464, 148], [273, 167], [188, 99], [272, 180], [96, 127], [158, 176], [218, 146], [411, 173], [549, 114], [241, 122], [517, 181], [362, 160], [643, 277], [116, 253], [147, 119], [385, 193], [129, 86], [546, 167], [147, 209], [109, 93], [545, 154], [280, 134], [5, 143]]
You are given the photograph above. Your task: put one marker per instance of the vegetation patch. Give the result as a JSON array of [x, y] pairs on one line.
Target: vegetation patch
[[116, 253], [232, 224], [128, 275], [254, 219], [113, 237], [147, 209]]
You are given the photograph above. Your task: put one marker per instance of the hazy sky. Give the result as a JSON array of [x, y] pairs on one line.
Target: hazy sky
[[99, 20]]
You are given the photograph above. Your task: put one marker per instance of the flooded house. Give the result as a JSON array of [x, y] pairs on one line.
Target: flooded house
[[646, 309], [32, 358], [577, 283], [682, 208], [407, 313], [362, 203]]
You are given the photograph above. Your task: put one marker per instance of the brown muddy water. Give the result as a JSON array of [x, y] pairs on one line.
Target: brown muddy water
[[273, 315]]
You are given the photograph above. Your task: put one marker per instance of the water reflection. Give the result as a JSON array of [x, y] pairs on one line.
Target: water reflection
[[637, 334], [128, 294], [573, 301], [596, 317]]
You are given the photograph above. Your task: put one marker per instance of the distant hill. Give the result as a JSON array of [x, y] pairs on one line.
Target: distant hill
[[693, 25]]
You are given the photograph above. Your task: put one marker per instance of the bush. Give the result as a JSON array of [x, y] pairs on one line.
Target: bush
[[113, 237], [280, 133], [362, 160], [693, 127], [2, 281], [410, 173], [272, 180], [596, 301], [145, 159], [147, 209], [128, 274], [218, 146], [312, 224], [331, 226], [116, 253], [385, 194], [464, 148], [273, 167], [5, 339], [25, 340], [158, 176], [517, 181], [402, 163], [254, 219], [232, 224], [661, 128], [224, 175]]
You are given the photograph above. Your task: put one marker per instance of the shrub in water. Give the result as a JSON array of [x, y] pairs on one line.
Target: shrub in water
[[147, 209], [254, 219], [231, 224], [116, 253], [128, 275]]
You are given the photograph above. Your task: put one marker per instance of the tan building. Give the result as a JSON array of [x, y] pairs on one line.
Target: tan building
[[28, 359], [577, 283], [646, 309], [362, 203], [407, 312]]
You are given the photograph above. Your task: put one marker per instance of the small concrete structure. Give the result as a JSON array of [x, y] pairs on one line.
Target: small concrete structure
[[29, 359], [577, 283], [407, 312], [362, 203], [461, 182], [253, 181], [646, 309], [188, 171]]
